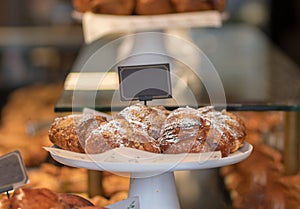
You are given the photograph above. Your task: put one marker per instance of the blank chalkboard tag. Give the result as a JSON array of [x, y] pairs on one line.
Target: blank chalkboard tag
[[145, 82], [12, 171]]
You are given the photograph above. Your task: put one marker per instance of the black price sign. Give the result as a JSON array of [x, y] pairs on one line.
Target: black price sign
[[145, 82], [12, 171]]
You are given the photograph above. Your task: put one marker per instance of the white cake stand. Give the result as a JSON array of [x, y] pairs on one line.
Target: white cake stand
[[151, 178]]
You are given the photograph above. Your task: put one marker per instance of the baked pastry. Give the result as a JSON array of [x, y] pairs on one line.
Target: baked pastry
[[74, 201], [41, 198], [146, 7], [70, 132], [147, 119], [192, 5], [183, 132], [189, 130], [226, 129], [31, 147], [35, 199], [71, 180], [119, 133], [116, 7], [113, 184], [153, 7], [25, 120], [4, 203]]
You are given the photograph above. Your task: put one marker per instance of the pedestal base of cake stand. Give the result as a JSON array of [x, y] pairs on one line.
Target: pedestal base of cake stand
[[157, 191], [152, 181]]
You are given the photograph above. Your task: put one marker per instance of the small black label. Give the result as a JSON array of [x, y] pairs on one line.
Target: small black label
[[145, 82], [12, 171]]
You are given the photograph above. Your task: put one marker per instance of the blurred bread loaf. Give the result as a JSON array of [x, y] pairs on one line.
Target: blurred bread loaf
[[146, 7], [116, 7], [153, 7], [25, 120]]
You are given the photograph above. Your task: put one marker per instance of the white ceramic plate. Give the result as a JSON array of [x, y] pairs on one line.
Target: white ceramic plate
[[135, 161]]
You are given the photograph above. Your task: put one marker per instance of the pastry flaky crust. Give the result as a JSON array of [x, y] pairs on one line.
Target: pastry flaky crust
[[188, 130], [148, 119], [119, 133], [152, 129], [42, 198], [137, 126], [70, 132]]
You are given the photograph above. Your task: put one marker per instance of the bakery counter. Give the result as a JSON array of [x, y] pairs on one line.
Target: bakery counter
[[209, 188], [25, 119], [253, 82], [262, 87]]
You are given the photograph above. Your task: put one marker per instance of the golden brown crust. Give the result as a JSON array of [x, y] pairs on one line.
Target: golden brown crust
[[119, 133], [114, 184], [191, 5], [62, 133], [190, 130], [184, 130], [74, 201], [4, 203], [70, 132], [116, 7], [137, 126], [147, 119], [153, 7], [36, 199], [146, 7], [42, 198]]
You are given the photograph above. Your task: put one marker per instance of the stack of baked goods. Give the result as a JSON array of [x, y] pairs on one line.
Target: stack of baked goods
[[25, 120], [260, 181], [152, 129], [63, 179], [146, 7], [63, 183]]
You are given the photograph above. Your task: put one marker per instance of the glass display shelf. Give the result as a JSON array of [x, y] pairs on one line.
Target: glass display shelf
[[248, 73], [254, 74]]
